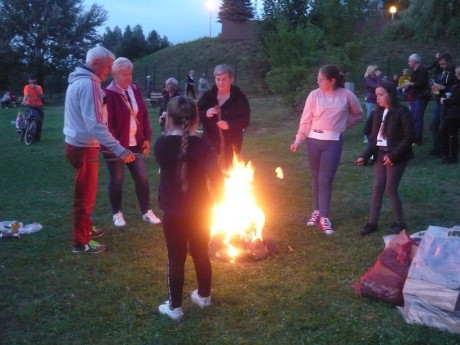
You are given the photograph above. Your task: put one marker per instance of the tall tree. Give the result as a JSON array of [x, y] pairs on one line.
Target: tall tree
[[240, 10], [49, 36]]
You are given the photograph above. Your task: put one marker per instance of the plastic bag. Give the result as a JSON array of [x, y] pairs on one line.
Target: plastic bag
[[385, 280], [432, 289]]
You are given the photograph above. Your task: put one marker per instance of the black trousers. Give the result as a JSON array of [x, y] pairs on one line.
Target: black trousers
[[182, 232], [449, 137]]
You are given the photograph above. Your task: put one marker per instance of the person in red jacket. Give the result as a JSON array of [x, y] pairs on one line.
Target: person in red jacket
[[127, 120]]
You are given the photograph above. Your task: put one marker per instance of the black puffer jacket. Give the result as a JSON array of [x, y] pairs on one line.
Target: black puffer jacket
[[452, 103], [399, 132]]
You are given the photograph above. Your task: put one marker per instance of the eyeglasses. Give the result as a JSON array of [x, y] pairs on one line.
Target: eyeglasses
[[320, 79]]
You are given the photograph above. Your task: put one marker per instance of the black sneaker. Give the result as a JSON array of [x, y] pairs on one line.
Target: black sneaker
[[92, 247], [396, 228], [368, 229]]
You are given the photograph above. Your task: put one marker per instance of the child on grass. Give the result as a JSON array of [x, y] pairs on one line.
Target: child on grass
[[187, 163]]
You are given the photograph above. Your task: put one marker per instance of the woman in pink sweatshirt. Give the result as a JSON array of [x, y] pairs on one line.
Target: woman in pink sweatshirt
[[328, 111]]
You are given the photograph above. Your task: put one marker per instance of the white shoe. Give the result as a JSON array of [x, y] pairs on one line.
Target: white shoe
[[325, 225], [151, 218], [202, 302], [174, 314], [118, 219]]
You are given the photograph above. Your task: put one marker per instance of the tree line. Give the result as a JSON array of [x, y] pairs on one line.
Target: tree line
[[49, 38]]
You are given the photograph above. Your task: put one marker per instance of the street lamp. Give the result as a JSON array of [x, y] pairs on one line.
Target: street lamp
[[210, 5], [393, 10]]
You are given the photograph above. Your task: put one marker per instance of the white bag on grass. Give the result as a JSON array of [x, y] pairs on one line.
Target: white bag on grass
[[432, 288]]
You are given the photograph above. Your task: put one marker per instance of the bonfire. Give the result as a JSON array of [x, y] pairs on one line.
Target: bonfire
[[237, 226]]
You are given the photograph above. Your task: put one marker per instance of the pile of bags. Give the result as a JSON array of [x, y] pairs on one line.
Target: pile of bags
[[422, 279]]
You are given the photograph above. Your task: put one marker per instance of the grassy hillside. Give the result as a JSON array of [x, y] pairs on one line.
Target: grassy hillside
[[202, 56], [250, 65]]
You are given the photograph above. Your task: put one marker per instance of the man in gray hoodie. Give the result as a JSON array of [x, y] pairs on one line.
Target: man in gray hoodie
[[85, 128]]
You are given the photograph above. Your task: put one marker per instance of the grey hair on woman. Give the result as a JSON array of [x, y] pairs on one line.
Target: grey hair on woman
[[223, 68], [120, 64]]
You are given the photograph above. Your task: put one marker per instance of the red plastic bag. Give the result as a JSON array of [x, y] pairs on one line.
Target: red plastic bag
[[385, 280]]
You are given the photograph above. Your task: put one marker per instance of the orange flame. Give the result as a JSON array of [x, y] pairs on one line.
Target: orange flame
[[238, 216]]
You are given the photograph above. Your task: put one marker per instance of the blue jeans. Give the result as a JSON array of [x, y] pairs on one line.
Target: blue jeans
[[324, 157], [436, 119], [138, 170], [370, 107], [418, 112], [386, 179]]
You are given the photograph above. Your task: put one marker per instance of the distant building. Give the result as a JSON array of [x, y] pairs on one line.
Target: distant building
[[236, 30]]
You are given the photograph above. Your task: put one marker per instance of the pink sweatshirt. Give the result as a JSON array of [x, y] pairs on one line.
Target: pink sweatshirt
[[329, 111]]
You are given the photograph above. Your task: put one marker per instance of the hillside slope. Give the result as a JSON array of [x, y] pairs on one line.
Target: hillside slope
[[203, 55]]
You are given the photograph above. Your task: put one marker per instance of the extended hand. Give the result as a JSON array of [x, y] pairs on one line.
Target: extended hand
[[223, 125]]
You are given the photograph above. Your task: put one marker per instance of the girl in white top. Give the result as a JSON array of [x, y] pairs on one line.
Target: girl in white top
[[328, 111]]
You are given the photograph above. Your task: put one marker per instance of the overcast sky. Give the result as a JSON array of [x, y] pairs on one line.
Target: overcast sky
[[178, 20]]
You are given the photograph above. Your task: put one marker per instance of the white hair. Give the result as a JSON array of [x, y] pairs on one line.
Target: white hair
[[416, 58], [96, 53], [173, 81], [120, 64]]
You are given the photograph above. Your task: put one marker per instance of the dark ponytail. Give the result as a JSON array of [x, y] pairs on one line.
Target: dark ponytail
[[182, 111], [332, 72]]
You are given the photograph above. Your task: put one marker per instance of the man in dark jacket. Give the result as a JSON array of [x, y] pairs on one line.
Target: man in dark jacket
[[442, 82], [420, 88]]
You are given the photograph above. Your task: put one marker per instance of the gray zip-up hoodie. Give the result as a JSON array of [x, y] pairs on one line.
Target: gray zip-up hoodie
[[85, 115]]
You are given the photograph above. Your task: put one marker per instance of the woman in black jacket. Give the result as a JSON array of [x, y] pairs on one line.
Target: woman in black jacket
[[451, 124], [391, 143], [224, 112]]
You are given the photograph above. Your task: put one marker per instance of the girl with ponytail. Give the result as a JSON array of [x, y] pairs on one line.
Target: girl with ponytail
[[189, 179]]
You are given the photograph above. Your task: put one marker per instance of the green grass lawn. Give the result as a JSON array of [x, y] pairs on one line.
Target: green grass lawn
[[301, 296]]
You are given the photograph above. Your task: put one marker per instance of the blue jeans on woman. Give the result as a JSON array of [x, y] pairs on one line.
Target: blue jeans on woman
[[324, 157], [138, 170]]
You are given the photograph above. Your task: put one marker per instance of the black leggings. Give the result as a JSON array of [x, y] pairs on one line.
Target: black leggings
[[179, 232], [449, 137]]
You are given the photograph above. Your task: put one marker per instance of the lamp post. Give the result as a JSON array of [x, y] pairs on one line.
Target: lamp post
[[393, 10], [210, 5]]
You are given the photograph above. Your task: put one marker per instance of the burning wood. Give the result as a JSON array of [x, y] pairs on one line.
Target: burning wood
[[238, 222]]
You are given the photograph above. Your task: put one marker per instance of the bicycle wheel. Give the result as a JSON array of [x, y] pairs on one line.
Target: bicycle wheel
[[20, 133], [30, 133]]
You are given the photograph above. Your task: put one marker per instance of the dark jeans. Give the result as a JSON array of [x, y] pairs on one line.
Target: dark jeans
[[138, 170], [386, 179], [418, 112], [180, 231], [449, 135], [85, 162], [324, 157], [436, 120]]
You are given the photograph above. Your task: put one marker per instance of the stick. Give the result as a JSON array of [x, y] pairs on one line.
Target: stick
[[222, 162]]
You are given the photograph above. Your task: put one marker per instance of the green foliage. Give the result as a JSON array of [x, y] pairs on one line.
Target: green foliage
[[291, 53], [430, 20], [48, 37], [240, 10], [132, 43]]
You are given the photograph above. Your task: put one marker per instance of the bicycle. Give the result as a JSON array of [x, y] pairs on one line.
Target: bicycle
[[26, 125]]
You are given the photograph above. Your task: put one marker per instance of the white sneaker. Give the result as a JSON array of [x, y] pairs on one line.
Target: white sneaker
[[118, 219], [314, 218], [326, 226], [202, 302], [174, 314], [151, 218]]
